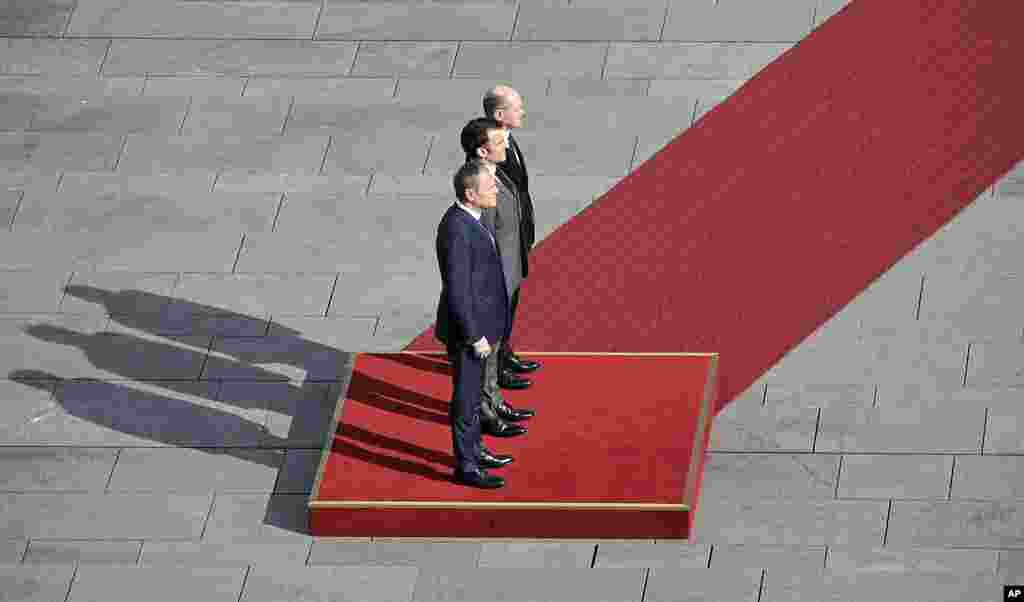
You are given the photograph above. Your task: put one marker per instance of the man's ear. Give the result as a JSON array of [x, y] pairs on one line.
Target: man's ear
[[481, 152]]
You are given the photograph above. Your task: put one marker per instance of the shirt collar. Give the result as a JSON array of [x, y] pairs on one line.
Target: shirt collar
[[476, 213]]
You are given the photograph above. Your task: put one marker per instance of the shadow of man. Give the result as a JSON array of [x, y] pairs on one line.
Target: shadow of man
[[167, 357]]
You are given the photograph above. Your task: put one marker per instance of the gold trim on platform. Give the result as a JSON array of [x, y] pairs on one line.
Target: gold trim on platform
[[702, 426], [501, 505]]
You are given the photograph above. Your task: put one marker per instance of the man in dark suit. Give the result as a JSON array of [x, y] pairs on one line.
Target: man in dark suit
[[504, 105], [484, 140], [471, 313]]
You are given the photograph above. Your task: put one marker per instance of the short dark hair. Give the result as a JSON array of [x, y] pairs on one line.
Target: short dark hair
[[467, 176], [474, 135], [493, 101]]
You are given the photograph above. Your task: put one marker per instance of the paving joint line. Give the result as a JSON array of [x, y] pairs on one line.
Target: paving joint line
[[604, 61], [216, 179], [760, 586], [817, 427], [209, 513], [330, 297], [369, 183], [593, 558], [288, 114], [394, 93], [984, 433], [138, 557], [515, 21], [113, 467], [327, 149], [67, 24], [316, 25], [920, 297], [245, 85], [120, 153], [238, 255], [355, 56], [888, 519], [71, 582], [277, 213], [632, 158], [188, 109], [839, 474], [952, 471], [711, 552], [455, 60], [967, 364], [664, 22], [643, 590], [106, 53], [17, 207], [430, 147]]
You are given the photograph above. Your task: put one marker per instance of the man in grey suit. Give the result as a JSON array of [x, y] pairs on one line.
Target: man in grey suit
[[484, 139]]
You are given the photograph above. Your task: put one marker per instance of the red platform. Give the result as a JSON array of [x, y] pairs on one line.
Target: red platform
[[616, 450]]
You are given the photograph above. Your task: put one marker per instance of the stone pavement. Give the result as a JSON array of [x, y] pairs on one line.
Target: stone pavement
[[209, 205]]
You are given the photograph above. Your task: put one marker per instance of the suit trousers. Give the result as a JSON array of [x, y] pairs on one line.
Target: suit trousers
[[464, 409], [490, 392], [506, 346]]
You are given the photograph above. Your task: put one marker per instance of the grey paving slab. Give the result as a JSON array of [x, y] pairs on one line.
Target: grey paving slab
[[737, 20], [149, 154], [39, 56], [832, 587], [755, 476], [31, 583], [114, 115], [103, 516], [19, 178], [589, 20], [344, 584], [18, 110], [530, 59], [343, 89], [342, 184], [650, 554], [117, 292], [745, 427], [571, 116], [820, 395], [198, 87], [1003, 434], [394, 332], [55, 468], [582, 189], [591, 88], [466, 93], [860, 561], [988, 477], [923, 394], [282, 357], [175, 322], [704, 93], [130, 251], [227, 553], [995, 364], [273, 253], [398, 20], [541, 585], [257, 515], [195, 470], [772, 558], [182, 183], [86, 84], [440, 555], [895, 476], [32, 291], [389, 117], [689, 60], [295, 417], [978, 304], [157, 583], [649, 144], [184, 19], [217, 57], [791, 522], [537, 554], [298, 469], [392, 293], [900, 430], [394, 152], [694, 585], [237, 115], [256, 295], [29, 17], [45, 551], [60, 150], [394, 59], [990, 524], [228, 213], [12, 550], [1011, 566], [23, 347], [431, 186]]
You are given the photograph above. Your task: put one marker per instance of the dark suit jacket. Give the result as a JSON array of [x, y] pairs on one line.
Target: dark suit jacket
[[474, 300], [515, 166], [505, 221]]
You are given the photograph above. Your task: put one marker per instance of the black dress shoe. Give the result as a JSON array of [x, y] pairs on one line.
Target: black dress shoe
[[514, 363], [507, 412], [489, 459], [500, 428], [479, 478], [508, 380]]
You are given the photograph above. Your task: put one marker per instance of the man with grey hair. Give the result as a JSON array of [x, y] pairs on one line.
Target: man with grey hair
[[505, 106]]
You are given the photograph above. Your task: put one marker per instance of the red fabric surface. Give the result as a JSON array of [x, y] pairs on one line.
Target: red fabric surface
[[753, 227], [623, 437]]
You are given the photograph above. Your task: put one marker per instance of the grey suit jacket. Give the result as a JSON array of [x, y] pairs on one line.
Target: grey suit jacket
[[505, 220]]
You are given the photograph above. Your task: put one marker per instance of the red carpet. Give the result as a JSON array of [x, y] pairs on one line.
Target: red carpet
[[617, 458], [756, 225]]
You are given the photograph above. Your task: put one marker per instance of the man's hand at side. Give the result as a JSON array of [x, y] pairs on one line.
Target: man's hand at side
[[482, 348]]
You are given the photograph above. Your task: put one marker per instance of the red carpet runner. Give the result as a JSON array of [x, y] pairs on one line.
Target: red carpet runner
[[756, 225]]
